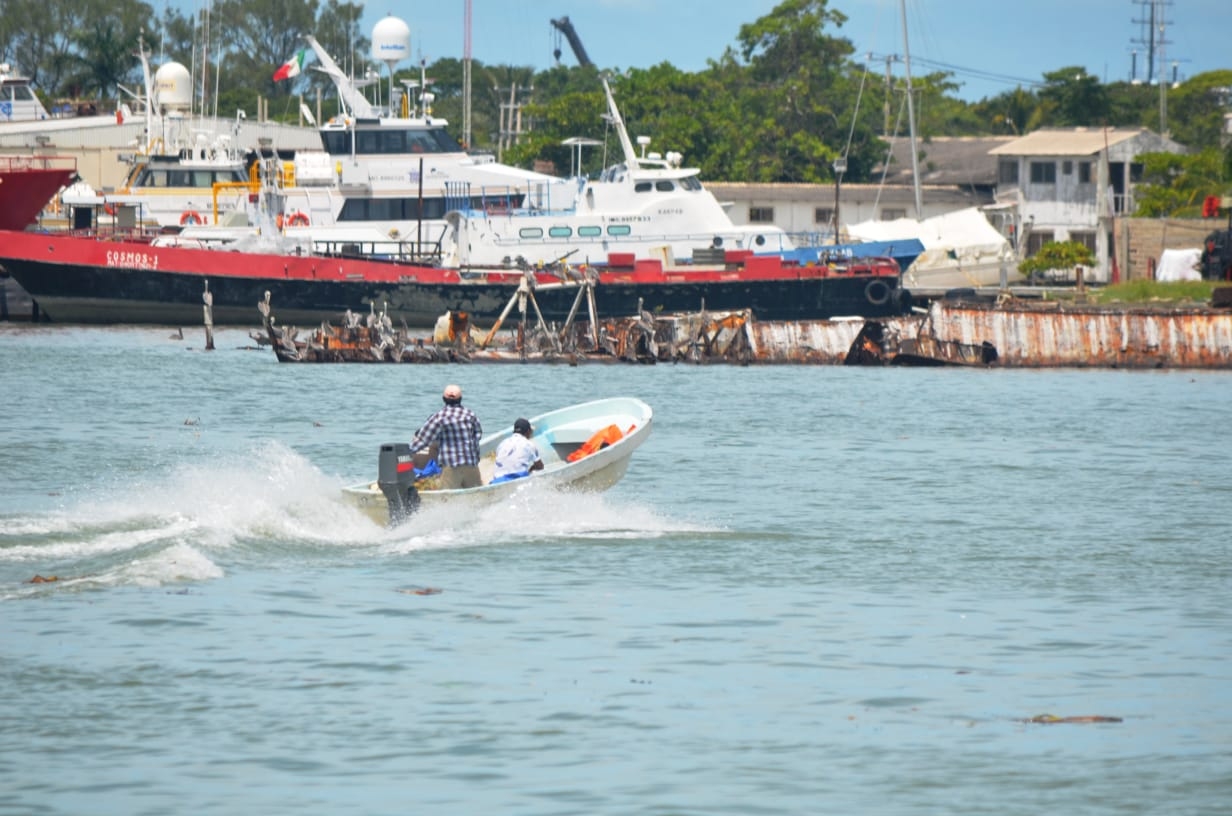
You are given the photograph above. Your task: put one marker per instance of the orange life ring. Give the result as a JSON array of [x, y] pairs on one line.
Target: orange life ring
[[109, 208], [191, 217], [297, 219]]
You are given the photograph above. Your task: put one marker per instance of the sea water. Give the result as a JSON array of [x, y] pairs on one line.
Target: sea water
[[817, 590]]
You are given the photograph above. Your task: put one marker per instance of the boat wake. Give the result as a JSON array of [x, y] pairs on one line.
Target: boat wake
[[197, 521]]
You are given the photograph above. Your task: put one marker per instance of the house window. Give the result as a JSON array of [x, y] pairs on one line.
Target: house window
[[559, 232], [1036, 241], [530, 232], [1084, 172], [642, 187], [1007, 171], [1086, 238], [761, 215], [823, 215], [1067, 168], [618, 229], [1043, 172], [664, 186], [589, 232], [892, 214]]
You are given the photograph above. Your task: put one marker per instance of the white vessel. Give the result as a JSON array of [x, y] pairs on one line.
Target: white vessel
[[646, 206]]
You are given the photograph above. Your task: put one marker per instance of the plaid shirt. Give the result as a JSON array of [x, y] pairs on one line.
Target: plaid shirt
[[457, 430]]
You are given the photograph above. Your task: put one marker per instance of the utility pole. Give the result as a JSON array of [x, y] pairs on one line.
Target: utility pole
[[510, 118], [466, 76]]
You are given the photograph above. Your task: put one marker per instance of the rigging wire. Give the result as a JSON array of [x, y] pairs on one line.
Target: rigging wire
[[855, 114], [885, 166]]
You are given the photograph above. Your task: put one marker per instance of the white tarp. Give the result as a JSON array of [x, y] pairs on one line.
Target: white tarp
[[960, 230], [1179, 265], [960, 248]]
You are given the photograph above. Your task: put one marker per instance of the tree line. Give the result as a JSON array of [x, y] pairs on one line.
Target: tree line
[[780, 105]]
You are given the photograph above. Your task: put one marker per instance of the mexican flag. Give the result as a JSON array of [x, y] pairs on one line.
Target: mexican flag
[[292, 67]]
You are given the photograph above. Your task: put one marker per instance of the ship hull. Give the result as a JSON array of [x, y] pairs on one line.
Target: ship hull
[[84, 280], [27, 183]]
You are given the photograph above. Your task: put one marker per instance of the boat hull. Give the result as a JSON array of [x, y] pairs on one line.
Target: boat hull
[[85, 280], [27, 183], [557, 434]]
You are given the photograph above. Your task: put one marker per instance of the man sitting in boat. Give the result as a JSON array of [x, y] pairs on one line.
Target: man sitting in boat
[[457, 431], [517, 456]]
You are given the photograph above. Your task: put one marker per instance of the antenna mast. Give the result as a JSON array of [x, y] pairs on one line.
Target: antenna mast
[[466, 76], [915, 158]]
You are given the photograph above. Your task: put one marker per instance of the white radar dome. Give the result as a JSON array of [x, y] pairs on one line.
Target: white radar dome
[[173, 87], [391, 40]]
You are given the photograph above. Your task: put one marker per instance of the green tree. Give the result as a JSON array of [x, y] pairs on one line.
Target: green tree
[[257, 37], [1175, 184], [1071, 97], [1196, 109], [1057, 255], [107, 46], [39, 37]]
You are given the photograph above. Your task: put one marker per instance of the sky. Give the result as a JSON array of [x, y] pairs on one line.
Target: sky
[[991, 47]]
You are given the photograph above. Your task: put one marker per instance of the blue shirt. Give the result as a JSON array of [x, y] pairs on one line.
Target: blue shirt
[[457, 430]]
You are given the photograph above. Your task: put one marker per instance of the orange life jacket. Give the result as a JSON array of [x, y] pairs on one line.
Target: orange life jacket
[[608, 436]]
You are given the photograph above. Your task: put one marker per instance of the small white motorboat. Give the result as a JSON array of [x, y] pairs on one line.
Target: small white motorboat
[[584, 447]]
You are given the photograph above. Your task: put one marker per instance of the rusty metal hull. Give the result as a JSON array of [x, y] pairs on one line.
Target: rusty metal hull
[[1038, 336], [1010, 335]]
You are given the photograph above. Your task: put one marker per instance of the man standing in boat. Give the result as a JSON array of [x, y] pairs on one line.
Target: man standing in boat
[[518, 455], [456, 430]]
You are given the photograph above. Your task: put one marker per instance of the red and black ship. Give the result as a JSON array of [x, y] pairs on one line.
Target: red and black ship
[[77, 278]]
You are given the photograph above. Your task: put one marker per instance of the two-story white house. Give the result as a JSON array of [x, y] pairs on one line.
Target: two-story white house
[[1068, 184]]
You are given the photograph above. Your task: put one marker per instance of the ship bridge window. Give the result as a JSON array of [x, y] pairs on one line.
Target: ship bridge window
[[665, 186], [444, 142], [384, 209], [530, 232], [691, 184], [391, 209], [642, 187], [559, 232], [389, 141], [618, 229], [589, 232]]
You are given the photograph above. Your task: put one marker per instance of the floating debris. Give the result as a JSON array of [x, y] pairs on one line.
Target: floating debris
[[420, 591], [43, 579], [1051, 719]]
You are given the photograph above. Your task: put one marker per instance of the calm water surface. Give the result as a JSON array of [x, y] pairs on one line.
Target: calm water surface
[[818, 590]]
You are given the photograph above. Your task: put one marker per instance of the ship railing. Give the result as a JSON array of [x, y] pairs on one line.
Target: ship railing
[[416, 252], [19, 163]]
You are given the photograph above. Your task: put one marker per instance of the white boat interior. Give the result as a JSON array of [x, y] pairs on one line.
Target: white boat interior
[[558, 435]]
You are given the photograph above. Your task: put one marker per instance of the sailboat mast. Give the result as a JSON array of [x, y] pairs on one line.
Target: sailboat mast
[[915, 153]]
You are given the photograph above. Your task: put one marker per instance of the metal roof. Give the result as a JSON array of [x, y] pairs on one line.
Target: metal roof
[[1068, 141]]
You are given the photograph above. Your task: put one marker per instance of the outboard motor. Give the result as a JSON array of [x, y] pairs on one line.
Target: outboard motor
[[396, 478]]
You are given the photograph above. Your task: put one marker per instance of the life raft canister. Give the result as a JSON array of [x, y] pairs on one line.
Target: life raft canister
[[601, 439]]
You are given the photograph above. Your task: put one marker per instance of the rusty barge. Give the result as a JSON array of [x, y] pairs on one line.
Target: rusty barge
[[1009, 333]]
